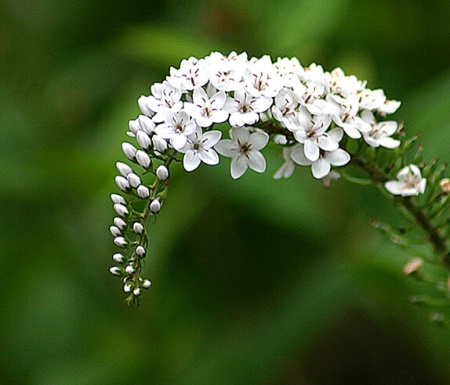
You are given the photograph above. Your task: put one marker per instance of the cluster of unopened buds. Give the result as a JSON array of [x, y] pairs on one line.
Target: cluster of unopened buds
[[309, 113]]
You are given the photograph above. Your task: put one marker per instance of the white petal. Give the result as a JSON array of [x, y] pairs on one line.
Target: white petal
[[351, 131], [261, 104], [211, 138], [240, 133], [208, 156], [320, 168], [238, 167], [219, 116], [326, 143], [256, 161], [298, 156], [190, 161], [258, 140], [388, 127], [311, 150], [389, 142], [394, 187], [178, 141], [285, 171], [227, 147], [338, 157]]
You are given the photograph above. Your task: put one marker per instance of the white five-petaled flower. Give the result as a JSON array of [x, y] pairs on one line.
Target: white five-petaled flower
[[177, 127], [244, 147], [321, 167], [199, 148], [191, 74], [380, 133], [226, 72], [409, 183], [164, 98], [207, 110], [244, 109], [315, 137]]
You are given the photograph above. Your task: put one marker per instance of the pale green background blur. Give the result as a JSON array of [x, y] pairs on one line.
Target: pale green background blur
[[255, 281]]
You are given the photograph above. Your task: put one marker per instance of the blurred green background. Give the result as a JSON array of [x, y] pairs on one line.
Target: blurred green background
[[255, 281]]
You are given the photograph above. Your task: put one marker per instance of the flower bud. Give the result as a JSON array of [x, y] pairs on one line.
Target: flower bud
[[119, 258], [120, 223], [127, 287], [155, 206], [146, 284], [445, 185], [137, 292], [143, 191], [159, 143], [413, 267], [147, 125], [140, 251], [123, 168], [162, 172], [143, 139], [116, 198], [115, 231], [143, 159], [120, 241], [143, 106], [138, 228], [133, 179], [121, 209], [129, 150], [134, 126], [129, 270], [115, 270], [122, 183]]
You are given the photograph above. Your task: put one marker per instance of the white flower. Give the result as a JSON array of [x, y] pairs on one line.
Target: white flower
[[199, 148], [191, 74], [410, 182], [288, 70], [244, 108], [371, 99], [262, 78], [226, 72], [287, 169], [389, 107], [177, 127], [244, 147], [207, 110], [164, 98], [285, 106], [315, 137], [380, 133], [321, 167]]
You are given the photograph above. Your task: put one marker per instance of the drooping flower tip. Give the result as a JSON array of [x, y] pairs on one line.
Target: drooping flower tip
[[409, 182]]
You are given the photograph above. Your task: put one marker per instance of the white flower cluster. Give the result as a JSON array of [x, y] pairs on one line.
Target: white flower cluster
[[305, 111], [310, 108]]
